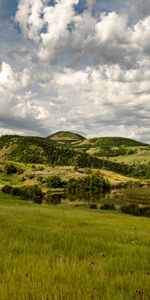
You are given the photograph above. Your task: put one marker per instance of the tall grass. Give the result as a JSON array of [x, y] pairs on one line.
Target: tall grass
[[50, 253]]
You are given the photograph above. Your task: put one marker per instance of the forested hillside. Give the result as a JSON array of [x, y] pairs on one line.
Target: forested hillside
[[57, 149]]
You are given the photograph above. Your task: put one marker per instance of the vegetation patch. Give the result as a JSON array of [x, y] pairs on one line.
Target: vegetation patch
[[136, 210]]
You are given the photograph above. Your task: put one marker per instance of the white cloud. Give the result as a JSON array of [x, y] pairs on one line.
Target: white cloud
[[111, 27], [99, 100], [12, 81], [81, 71], [141, 35], [25, 108], [10, 84], [17, 105], [29, 17], [96, 40], [57, 19]]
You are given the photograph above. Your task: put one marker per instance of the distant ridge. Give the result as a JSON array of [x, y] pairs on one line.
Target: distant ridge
[[66, 136], [114, 142]]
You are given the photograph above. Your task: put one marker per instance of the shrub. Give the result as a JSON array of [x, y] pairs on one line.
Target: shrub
[[16, 191], [76, 169], [88, 171], [41, 168], [30, 176], [7, 189], [20, 171], [136, 210], [33, 193], [93, 206], [22, 179], [108, 206], [10, 169], [41, 179], [55, 182], [54, 199], [90, 184], [1, 171], [130, 209], [33, 167]]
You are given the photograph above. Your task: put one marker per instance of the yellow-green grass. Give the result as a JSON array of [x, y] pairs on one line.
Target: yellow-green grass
[[116, 178], [65, 172], [143, 158], [72, 253]]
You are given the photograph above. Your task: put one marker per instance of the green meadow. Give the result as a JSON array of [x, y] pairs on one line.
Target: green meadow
[[141, 157], [70, 253]]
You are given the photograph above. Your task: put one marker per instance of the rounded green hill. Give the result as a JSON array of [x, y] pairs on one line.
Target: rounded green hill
[[115, 142], [66, 136]]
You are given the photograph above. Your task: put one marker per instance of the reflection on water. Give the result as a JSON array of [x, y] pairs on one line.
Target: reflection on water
[[56, 198], [138, 195], [117, 197]]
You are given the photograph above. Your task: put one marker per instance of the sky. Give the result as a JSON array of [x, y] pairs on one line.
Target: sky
[[77, 65]]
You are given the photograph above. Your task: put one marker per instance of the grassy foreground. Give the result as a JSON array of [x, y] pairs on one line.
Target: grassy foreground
[[50, 253]]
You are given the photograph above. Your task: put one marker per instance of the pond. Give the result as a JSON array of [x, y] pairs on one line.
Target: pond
[[136, 195]]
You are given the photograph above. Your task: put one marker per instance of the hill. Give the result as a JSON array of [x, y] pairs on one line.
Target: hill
[[105, 142], [71, 149], [66, 137], [30, 149]]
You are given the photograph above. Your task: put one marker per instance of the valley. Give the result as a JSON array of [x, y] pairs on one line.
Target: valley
[[74, 222]]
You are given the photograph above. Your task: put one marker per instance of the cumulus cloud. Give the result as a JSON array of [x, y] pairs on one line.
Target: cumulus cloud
[[141, 35], [64, 37], [29, 17], [57, 19], [12, 81], [86, 70], [101, 100], [45, 24], [16, 104]]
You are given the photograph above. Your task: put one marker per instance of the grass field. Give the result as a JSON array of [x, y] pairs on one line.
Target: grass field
[[143, 158], [50, 253]]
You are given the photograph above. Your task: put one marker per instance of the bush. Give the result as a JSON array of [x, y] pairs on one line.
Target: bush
[[136, 210], [20, 171], [54, 199], [55, 182], [22, 179], [41, 179], [10, 169], [88, 171], [16, 191], [41, 168], [7, 189], [93, 206], [76, 169], [33, 193], [108, 206], [90, 184], [33, 167], [130, 209], [30, 176]]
